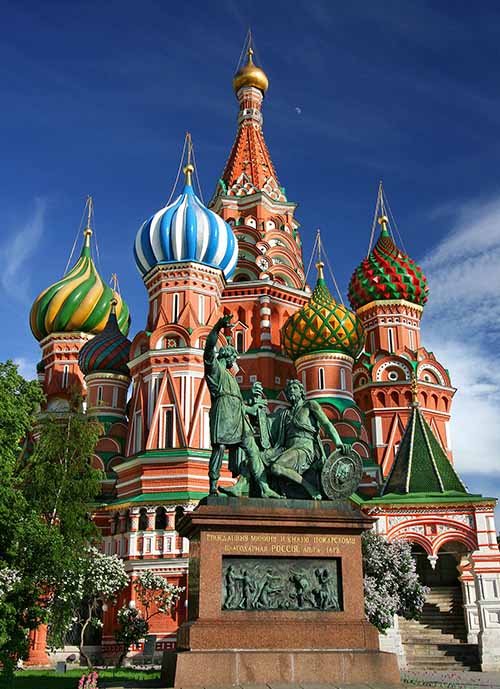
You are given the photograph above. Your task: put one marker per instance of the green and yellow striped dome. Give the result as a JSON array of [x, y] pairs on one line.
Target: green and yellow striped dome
[[322, 325], [79, 302]]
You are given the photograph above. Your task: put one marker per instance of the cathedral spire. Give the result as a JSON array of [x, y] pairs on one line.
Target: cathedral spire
[[249, 168]]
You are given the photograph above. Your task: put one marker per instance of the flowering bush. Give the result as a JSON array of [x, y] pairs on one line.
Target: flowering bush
[[155, 593], [8, 579], [391, 582], [93, 580], [88, 681]]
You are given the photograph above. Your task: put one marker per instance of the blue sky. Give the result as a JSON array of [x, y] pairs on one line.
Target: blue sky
[[96, 98]]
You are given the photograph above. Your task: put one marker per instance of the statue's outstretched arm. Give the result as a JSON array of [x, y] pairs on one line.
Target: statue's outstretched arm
[[213, 336]]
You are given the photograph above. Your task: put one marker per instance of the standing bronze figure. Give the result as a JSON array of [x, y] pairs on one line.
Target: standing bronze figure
[[229, 427]]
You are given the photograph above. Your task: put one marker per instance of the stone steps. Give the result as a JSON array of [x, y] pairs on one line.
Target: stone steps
[[438, 640]]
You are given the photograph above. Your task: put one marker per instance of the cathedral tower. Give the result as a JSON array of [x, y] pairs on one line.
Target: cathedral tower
[[65, 316], [268, 283], [388, 290]]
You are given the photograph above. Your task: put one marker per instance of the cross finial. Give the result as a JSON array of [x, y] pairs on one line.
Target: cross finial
[[87, 233], [189, 167]]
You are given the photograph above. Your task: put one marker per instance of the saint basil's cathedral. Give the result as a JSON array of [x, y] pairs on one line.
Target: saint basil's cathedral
[[388, 397]]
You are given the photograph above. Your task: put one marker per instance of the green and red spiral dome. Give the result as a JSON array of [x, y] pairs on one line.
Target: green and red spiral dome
[[387, 274], [107, 352]]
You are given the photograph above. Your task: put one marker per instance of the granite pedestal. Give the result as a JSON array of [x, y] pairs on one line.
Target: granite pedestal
[[296, 632]]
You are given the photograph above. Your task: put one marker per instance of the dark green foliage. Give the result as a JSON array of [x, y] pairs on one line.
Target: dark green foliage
[[46, 492]]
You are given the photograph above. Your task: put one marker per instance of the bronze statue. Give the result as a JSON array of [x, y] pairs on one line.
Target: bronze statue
[[283, 448], [298, 441], [229, 427]]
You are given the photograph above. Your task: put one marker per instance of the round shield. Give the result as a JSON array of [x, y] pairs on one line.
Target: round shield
[[341, 474]]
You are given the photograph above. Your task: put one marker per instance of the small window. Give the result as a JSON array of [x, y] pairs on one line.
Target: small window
[[99, 394], [115, 397], [240, 342], [411, 339], [343, 385], [161, 519], [253, 379], [390, 339], [372, 342], [143, 519], [392, 375], [138, 432], [65, 376], [321, 378], [168, 428], [201, 309], [175, 308]]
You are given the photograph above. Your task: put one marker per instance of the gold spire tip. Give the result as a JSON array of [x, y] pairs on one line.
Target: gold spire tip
[[188, 171], [320, 265], [383, 220], [114, 304]]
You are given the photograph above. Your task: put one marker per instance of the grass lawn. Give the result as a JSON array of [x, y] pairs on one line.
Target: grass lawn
[[48, 679]]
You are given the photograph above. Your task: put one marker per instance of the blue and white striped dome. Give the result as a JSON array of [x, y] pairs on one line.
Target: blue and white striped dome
[[186, 231]]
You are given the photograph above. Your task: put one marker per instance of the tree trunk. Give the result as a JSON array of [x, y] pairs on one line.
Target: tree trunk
[[82, 637]]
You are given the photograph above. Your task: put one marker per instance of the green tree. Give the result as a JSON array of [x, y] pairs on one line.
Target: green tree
[[47, 492], [31, 556], [58, 477]]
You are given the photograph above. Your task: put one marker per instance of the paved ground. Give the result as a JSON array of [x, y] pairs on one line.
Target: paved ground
[[411, 680], [459, 679]]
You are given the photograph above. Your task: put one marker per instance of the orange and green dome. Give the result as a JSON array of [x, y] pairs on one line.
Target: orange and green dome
[[322, 325], [79, 302], [387, 273]]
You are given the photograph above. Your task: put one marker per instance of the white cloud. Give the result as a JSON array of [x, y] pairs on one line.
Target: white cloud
[[462, 326], [26, 367], [20, 244]]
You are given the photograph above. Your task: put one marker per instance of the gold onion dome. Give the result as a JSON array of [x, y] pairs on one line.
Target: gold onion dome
[[79, 302], [322, 325], [250, 75]]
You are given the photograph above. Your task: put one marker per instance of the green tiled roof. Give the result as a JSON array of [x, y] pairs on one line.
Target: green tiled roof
[[421, 464], [165, 497]]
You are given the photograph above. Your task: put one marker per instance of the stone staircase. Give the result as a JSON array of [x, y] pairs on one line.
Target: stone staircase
[[438, 640]]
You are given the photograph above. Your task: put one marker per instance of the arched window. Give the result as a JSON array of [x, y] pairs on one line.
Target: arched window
[[321, 378], [143, 519], [168, 428], [161, 518], [343, 385], [240, 342], [65, 376], [99, 394]]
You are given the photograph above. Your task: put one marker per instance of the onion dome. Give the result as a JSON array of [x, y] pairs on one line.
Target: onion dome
[[322, 325], [79, 302], [107, 352], [250, 75], [387, 273], [186, 231]]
